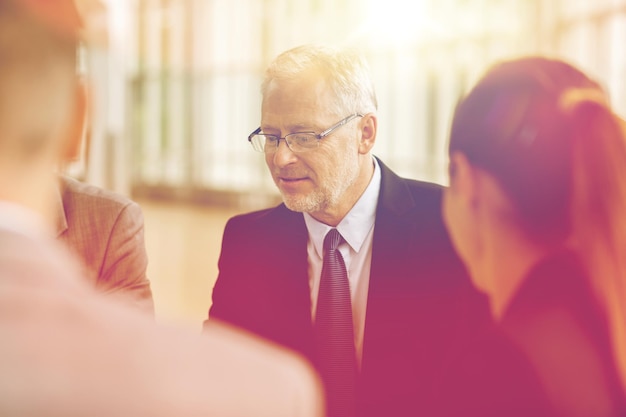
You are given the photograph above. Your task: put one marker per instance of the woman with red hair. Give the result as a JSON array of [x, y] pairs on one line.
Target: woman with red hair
[[536, 208]]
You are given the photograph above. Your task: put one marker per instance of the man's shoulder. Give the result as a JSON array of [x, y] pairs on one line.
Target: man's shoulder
[[409, 193], [427, 195], [269, 216], [94, 207], [77, 193], [424, 187], [276, 224]]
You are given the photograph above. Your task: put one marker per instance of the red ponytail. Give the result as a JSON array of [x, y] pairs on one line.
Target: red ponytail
[[598, 205]]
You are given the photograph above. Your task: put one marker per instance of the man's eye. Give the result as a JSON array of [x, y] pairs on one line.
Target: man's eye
[[304, 139]]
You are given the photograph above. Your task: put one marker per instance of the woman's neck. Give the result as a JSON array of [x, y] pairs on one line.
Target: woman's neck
[[509, 257]]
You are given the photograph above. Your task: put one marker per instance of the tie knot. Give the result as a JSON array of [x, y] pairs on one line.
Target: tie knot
[[332, 240]]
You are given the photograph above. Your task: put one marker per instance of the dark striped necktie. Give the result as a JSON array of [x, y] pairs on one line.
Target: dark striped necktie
[[335, 332]]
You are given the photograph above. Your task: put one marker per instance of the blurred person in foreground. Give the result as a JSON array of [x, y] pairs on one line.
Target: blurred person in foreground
[[65, 350], [381, 319], [536, 209]]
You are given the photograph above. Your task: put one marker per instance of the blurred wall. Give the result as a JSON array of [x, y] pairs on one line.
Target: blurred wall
[[177, 81]]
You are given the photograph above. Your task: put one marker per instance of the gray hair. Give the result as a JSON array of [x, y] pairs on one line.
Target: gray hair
[[345, 70]]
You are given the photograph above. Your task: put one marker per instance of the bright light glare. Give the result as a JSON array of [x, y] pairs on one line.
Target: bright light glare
[[406, 22], [395, 21]]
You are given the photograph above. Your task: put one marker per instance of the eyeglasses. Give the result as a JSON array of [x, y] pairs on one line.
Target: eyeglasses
[[297, 142]]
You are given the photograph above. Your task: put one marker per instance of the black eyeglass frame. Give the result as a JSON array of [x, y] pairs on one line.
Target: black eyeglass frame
[[319, 136]]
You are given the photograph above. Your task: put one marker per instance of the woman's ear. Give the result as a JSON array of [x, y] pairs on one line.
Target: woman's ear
[[463, 179], [461, 173], [76, 130], [368, 125]]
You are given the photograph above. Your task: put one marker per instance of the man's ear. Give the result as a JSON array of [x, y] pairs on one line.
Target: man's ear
[[368, 125], [76, 129]]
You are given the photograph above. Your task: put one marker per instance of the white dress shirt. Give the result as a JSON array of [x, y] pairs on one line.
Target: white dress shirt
[[22, 220], [357, 229]]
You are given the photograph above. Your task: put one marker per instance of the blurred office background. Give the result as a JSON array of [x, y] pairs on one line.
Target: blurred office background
[[175, 86]]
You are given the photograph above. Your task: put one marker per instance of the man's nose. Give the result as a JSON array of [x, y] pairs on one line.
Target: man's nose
[[283, 155]]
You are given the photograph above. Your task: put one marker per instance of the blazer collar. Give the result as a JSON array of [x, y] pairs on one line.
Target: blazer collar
[[60, 215]]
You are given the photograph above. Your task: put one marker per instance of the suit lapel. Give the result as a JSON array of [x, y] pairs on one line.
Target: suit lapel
[[393, 232], [394, 227], [391, 320], [290, 281]]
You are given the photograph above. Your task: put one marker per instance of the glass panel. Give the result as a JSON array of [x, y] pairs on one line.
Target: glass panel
[[195, 82]]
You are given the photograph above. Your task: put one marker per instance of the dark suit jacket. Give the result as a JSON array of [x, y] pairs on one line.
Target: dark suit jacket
[[105, 230], [555, 319], [420, 302], [552, 330]]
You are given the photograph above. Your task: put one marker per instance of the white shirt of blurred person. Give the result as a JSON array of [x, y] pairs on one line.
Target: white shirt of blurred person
[[67, 351]]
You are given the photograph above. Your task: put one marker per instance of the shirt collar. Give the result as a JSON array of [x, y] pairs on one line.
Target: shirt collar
[[355, 226], [60, 215]]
